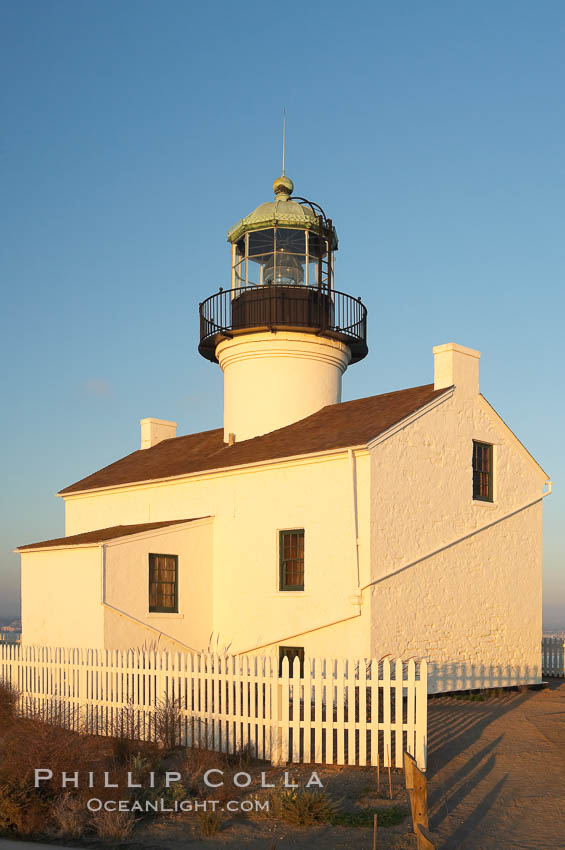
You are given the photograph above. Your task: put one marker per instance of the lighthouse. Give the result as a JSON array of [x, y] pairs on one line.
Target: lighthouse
[[281, 333]]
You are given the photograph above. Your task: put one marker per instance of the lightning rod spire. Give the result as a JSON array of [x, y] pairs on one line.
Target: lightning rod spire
[[284, 139]]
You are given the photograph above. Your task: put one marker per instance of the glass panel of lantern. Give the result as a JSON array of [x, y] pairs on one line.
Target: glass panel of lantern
[[317, 249], [261, 247], [286, 266], [277, 256]]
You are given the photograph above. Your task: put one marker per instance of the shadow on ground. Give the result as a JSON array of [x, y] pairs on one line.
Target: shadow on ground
[[497, 771]]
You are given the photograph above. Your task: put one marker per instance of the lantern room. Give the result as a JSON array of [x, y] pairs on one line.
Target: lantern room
[[282, 277], [295, 248]]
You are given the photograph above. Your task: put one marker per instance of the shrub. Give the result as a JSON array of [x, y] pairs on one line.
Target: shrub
[[169, 722], [193, 764], [9, 696], [20, 812], [70, 815], [127, 724], [302, 808], [10, 808], [209, 822], [244, 755], [139, 767], [112, 826], [175, 793]]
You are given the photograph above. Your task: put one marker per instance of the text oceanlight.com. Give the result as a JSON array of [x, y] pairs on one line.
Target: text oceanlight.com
[[161, 805]]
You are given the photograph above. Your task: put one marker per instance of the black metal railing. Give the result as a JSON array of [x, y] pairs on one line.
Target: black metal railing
[[277, 307]]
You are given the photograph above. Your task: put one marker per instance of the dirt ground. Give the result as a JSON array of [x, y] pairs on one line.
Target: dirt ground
[[355, 788], [496, 771]]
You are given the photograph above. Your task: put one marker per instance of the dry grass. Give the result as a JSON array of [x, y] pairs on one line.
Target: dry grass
[[69, 815], [20, 812], [9, 696], [112, 826], [209, 823], [169, 723], [48, 811], [28, 744], [193, 763], [242, 757]]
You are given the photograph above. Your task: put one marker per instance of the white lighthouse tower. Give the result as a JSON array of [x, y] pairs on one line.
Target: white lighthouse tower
[[282, 334]]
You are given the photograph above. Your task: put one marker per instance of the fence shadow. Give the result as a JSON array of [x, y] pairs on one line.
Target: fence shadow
[[461, 676], [456, 722], [466, 834]]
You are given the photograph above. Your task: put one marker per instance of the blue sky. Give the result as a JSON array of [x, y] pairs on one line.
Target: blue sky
[[136, 133]]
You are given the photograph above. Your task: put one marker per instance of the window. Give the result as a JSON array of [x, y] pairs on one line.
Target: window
[[291, 559], [482, 471], [163, 583], [291, 652]]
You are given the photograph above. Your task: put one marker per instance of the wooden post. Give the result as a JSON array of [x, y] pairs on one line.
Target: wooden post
[[417, 786], [375, 823], [409, 765], [420, 793], [424, 839]]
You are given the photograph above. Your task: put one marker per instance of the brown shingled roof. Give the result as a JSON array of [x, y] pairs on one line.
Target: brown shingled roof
[[350, 423], [102, 534]]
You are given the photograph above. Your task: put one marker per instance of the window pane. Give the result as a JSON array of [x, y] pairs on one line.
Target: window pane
[[291, 548], [162, 582], [261, 242], [291, 241], [482, 471]]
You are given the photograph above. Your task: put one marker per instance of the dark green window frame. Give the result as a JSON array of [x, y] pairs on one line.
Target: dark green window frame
[[291, 559], [482, 471], [160, 587], [291, 652]]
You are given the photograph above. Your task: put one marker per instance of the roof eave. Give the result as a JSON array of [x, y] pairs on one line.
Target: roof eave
[[219, 470], [138, 535], [238, 230]]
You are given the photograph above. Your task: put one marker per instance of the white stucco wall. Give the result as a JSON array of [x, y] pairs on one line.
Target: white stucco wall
[[61, 597], [127, 589], [250, 507], [473, 609]]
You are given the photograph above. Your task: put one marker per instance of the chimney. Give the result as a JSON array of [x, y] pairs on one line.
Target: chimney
[[153, 431], [456, 365]]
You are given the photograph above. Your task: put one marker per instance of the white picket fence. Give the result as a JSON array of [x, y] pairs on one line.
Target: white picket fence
[[553, 656], [332, 711]]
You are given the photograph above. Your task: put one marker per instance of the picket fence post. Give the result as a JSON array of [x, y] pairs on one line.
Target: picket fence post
[[276, 707], [422, 716]]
